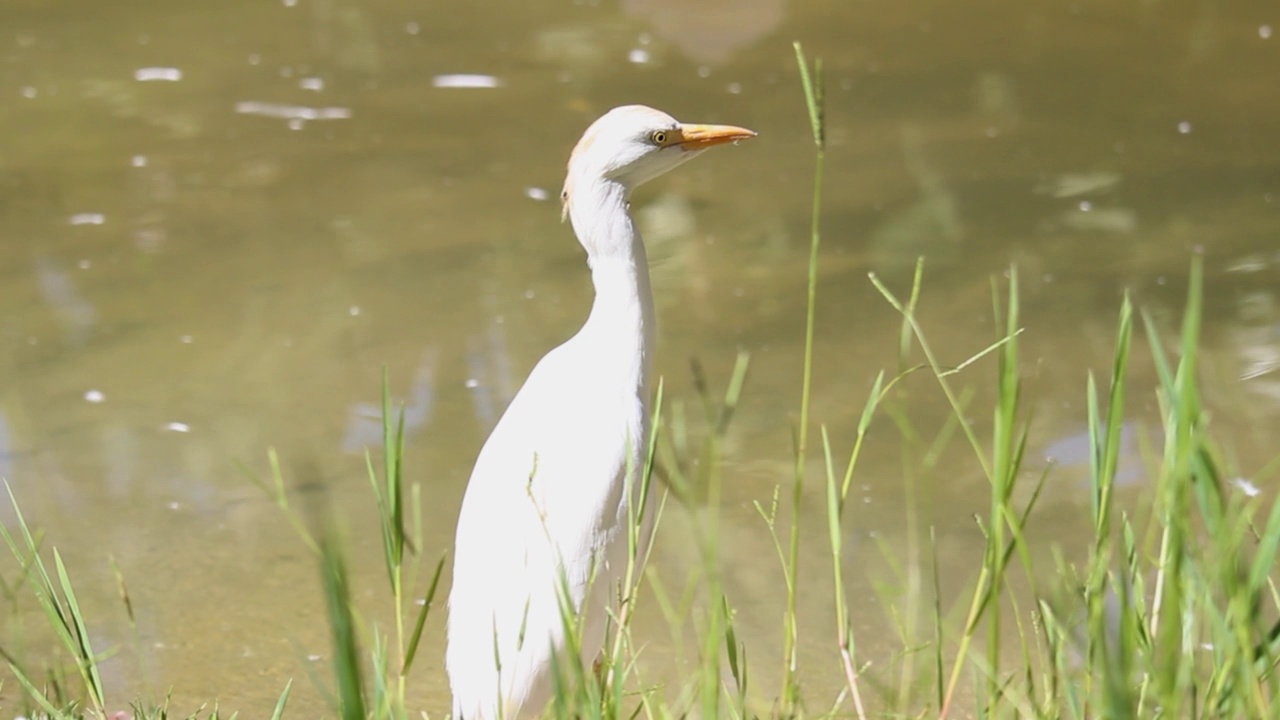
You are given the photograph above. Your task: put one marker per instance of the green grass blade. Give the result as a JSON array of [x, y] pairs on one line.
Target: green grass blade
[[342, 630], [421, 621], [278, 713], [34, 692], [813, 95], [1265, 556], [85, 657]]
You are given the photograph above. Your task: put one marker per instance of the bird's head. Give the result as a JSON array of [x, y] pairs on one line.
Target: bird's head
[[633, 144]]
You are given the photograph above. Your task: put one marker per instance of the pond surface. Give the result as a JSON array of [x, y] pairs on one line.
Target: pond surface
[[220, 221]]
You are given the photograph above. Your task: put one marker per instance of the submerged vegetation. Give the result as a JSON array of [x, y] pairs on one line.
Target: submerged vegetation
[[1171, 613]]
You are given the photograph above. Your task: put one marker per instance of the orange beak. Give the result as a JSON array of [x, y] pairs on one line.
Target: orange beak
[[701, 137]]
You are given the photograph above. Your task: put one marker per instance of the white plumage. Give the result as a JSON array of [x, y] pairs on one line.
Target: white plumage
[[547, 498]]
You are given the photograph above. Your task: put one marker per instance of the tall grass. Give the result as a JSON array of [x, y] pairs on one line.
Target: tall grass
[[1168, 611], [812, 83]]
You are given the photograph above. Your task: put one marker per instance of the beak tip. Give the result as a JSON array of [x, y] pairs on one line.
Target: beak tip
[[699, 137]]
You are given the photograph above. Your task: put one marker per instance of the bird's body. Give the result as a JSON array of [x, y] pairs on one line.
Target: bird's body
[[545, 516]]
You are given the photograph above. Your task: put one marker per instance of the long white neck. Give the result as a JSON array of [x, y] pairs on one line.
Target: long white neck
[[620, 327]]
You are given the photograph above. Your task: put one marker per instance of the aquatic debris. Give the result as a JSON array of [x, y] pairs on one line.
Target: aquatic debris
[[1246, 487], [292, 112], [1249, 264], [153, 74], [1074, 184], [1087, 218], [465, 80]]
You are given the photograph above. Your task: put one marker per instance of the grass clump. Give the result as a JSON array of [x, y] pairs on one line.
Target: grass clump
[[392, 654], [55, 694]]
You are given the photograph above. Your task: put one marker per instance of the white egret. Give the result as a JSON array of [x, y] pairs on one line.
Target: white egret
[[546, 507]]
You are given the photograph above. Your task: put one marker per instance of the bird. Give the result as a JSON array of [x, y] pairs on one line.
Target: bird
[[543, 526]]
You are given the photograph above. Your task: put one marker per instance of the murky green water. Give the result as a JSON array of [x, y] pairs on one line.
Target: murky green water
[[218, 221]]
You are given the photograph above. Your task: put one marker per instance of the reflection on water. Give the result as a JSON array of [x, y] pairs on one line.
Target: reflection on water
[[712, 32], [364, 419], [56, 287], [928, 225], [1074, 451], [221, 221]]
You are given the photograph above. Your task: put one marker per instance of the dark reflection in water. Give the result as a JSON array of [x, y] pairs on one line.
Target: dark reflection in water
[[220, 222], [708, 32]]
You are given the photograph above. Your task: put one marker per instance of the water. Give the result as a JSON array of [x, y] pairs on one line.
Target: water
[[221, 221]]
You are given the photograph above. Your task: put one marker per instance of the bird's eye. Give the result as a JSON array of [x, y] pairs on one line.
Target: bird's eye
[[659, 137]]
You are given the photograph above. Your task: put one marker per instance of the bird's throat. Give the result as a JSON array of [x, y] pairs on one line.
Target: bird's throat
[[621, 324]]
